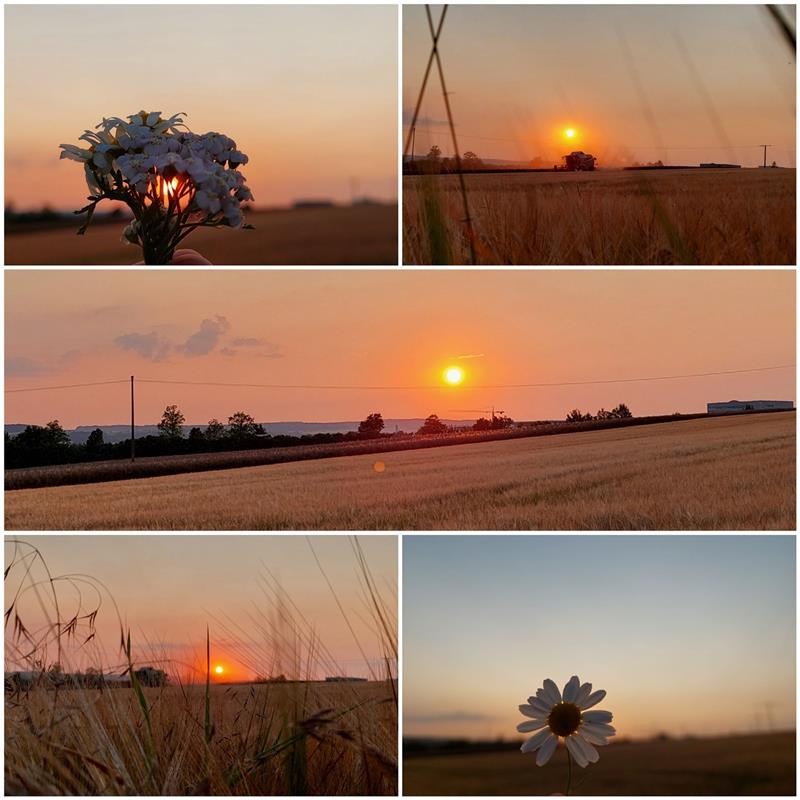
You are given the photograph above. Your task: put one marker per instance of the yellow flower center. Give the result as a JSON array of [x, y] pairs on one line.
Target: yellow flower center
[[564, 719]]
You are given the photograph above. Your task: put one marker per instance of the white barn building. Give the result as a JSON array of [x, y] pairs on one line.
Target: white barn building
[[734, 406]]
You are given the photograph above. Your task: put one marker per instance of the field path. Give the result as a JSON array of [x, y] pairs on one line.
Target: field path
[[716, 473]]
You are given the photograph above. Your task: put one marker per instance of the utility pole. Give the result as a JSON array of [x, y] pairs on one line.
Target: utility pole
[[765, 146], [133, 425]]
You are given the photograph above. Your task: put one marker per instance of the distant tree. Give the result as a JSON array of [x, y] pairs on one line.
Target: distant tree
[[55, 434], [576, 415], [372, 425], [603, 414], [435, 153], [482, 424], [471, 161], [241, 426], [95, 440], [501, 421], [622, 411], [171, 425], [433, 425], [214, 430], [197, 435]]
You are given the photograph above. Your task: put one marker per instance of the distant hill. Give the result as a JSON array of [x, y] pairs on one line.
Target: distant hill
[[119, 433]]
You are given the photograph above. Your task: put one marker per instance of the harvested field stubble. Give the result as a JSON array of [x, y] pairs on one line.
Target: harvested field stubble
[[701, 217], [724, 473]]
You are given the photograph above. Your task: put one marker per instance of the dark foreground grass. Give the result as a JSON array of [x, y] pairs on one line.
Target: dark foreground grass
[[760, 764]]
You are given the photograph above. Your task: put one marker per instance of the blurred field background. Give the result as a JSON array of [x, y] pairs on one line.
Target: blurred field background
[[761, 764], [682, 217], [718, 473], [363, 233]]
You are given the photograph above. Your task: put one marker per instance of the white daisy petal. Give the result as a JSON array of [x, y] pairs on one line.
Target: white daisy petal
[[598, 728], [598, 716], [583, 693], [546, 751], [592, 734], [536, 741], [531, 725], [571, 689], [592, 756], [593, 699], [530, 711], [576, 752], [540, 705], [552, 691]]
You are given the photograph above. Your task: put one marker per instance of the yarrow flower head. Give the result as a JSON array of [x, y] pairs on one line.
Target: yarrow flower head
[[564, 715], [172, 180]]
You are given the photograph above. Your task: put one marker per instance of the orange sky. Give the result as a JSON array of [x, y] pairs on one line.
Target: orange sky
[[377, 328], [173, 586], [308, 92], [680, 83]]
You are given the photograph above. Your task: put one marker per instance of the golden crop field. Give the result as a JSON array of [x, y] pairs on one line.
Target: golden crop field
[[714, 216], [359, 234], [267, 739], [733, 472], [736, 765]]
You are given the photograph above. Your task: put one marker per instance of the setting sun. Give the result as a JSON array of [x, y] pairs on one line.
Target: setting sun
[[570, 133], [219, 669], [454, 375]]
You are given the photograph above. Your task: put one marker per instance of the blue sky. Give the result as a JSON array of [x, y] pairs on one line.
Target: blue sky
[[688, 634]]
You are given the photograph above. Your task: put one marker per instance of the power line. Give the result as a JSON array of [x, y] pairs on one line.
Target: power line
[[66, 386], [365, 387]]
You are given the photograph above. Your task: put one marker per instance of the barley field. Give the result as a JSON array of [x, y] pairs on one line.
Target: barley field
[[737, 765], [686, 217], [359, 234], [734, 472], [269, 739]]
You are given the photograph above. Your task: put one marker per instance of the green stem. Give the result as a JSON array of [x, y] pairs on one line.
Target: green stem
[[569, 772]]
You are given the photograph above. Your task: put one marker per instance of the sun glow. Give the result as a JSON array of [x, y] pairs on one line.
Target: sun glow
[[219, 669], [570, 133], [453, 375]]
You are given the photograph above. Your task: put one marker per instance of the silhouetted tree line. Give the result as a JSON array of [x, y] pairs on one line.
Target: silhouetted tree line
[[50, 444], [620, 412]]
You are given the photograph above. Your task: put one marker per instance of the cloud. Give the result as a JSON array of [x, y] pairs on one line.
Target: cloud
[[408, 115], [269, 350], [247, 342], [22, 367], [147, 345], [203, 341], [449, 716], [471, 355]]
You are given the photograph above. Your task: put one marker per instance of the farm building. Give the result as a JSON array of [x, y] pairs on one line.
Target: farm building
[[734, 406]]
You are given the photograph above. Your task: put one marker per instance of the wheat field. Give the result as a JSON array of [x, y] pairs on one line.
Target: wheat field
[[755, 764], [687, 217], [735, 472], [297, 738], [359, 234]]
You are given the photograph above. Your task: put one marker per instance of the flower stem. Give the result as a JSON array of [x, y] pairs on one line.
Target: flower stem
[[569, 772]]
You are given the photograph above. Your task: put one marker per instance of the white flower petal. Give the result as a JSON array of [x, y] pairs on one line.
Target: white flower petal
[[591, 755], [597, 716], [583, 693], [546, 751], [536, 741], [593, 699], [576, 752], [542, 707], [530, 711], [598, 728], [531, 725], [552, 691], [571, 689]]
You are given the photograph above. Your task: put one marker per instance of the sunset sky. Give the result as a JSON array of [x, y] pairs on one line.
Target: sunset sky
[[683, 84], [391, 334], [687, 634], [308, 92], [172, 586]]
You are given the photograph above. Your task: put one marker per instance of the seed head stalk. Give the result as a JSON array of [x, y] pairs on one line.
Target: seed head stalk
[[569, 770]]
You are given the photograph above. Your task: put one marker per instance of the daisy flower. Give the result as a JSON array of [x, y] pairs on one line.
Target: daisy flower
[[555, 715]]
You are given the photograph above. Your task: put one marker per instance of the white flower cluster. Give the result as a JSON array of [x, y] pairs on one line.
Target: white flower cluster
[[148, 148]]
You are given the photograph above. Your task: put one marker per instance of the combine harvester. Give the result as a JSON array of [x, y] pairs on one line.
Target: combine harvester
[[577, 161]]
